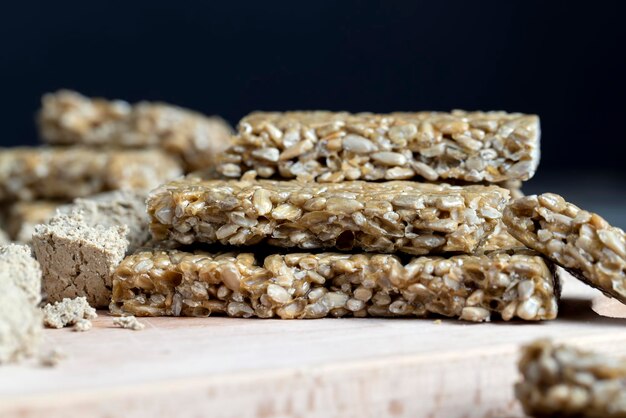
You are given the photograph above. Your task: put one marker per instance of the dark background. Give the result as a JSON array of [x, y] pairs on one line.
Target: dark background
[[562, 60]]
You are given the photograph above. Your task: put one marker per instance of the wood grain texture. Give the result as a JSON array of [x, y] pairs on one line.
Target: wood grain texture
[[239, 368]]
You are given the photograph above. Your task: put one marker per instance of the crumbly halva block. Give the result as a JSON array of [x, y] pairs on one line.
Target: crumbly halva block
[[78, 259], [66, 173], [19, 267], [20, 324], [69, 118], [305, 285], [24, 215], [581, 242], [20, 292], [337, 146], [409, 217], [69, 312], [563, 381]]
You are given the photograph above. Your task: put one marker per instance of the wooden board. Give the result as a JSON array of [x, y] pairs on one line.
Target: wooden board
[[222, 367]]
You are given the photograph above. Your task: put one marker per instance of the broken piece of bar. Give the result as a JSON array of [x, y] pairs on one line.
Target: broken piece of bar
[[337, 146], [69, 118], [409, 217], [78, 258], [581, 242], [30, 173], [305, 285], [20, 292], [567, 382]]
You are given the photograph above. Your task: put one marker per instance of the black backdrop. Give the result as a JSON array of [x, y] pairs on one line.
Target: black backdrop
[[562, 60]]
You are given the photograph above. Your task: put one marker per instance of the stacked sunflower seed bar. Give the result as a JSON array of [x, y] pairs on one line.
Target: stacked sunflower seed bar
[[170, 282], [68, 118], [581, 242], [305, 285], [413, 218], [499, 239], [333, 147], [493, 147], [441, 224], [563, 381]]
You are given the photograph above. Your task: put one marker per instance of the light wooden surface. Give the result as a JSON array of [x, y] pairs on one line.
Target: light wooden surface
[[221, 367]]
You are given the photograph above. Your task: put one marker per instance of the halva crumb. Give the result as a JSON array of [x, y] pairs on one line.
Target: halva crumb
[[129, 322], [67, 312]]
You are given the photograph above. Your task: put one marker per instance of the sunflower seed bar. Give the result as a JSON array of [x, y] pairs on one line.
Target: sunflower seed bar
[[337, 146], [499, 239], [160, 282], [579, 241], [410, 217], [563, 381], [20, 292], [68, 118], [66, 173]]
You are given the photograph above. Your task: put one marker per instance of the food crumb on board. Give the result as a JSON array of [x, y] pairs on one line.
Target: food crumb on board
[[129, 322], [68, 312], [51, 358], [82, 325]]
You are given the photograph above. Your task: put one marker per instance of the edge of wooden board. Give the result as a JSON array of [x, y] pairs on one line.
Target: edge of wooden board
[[441, 385]]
